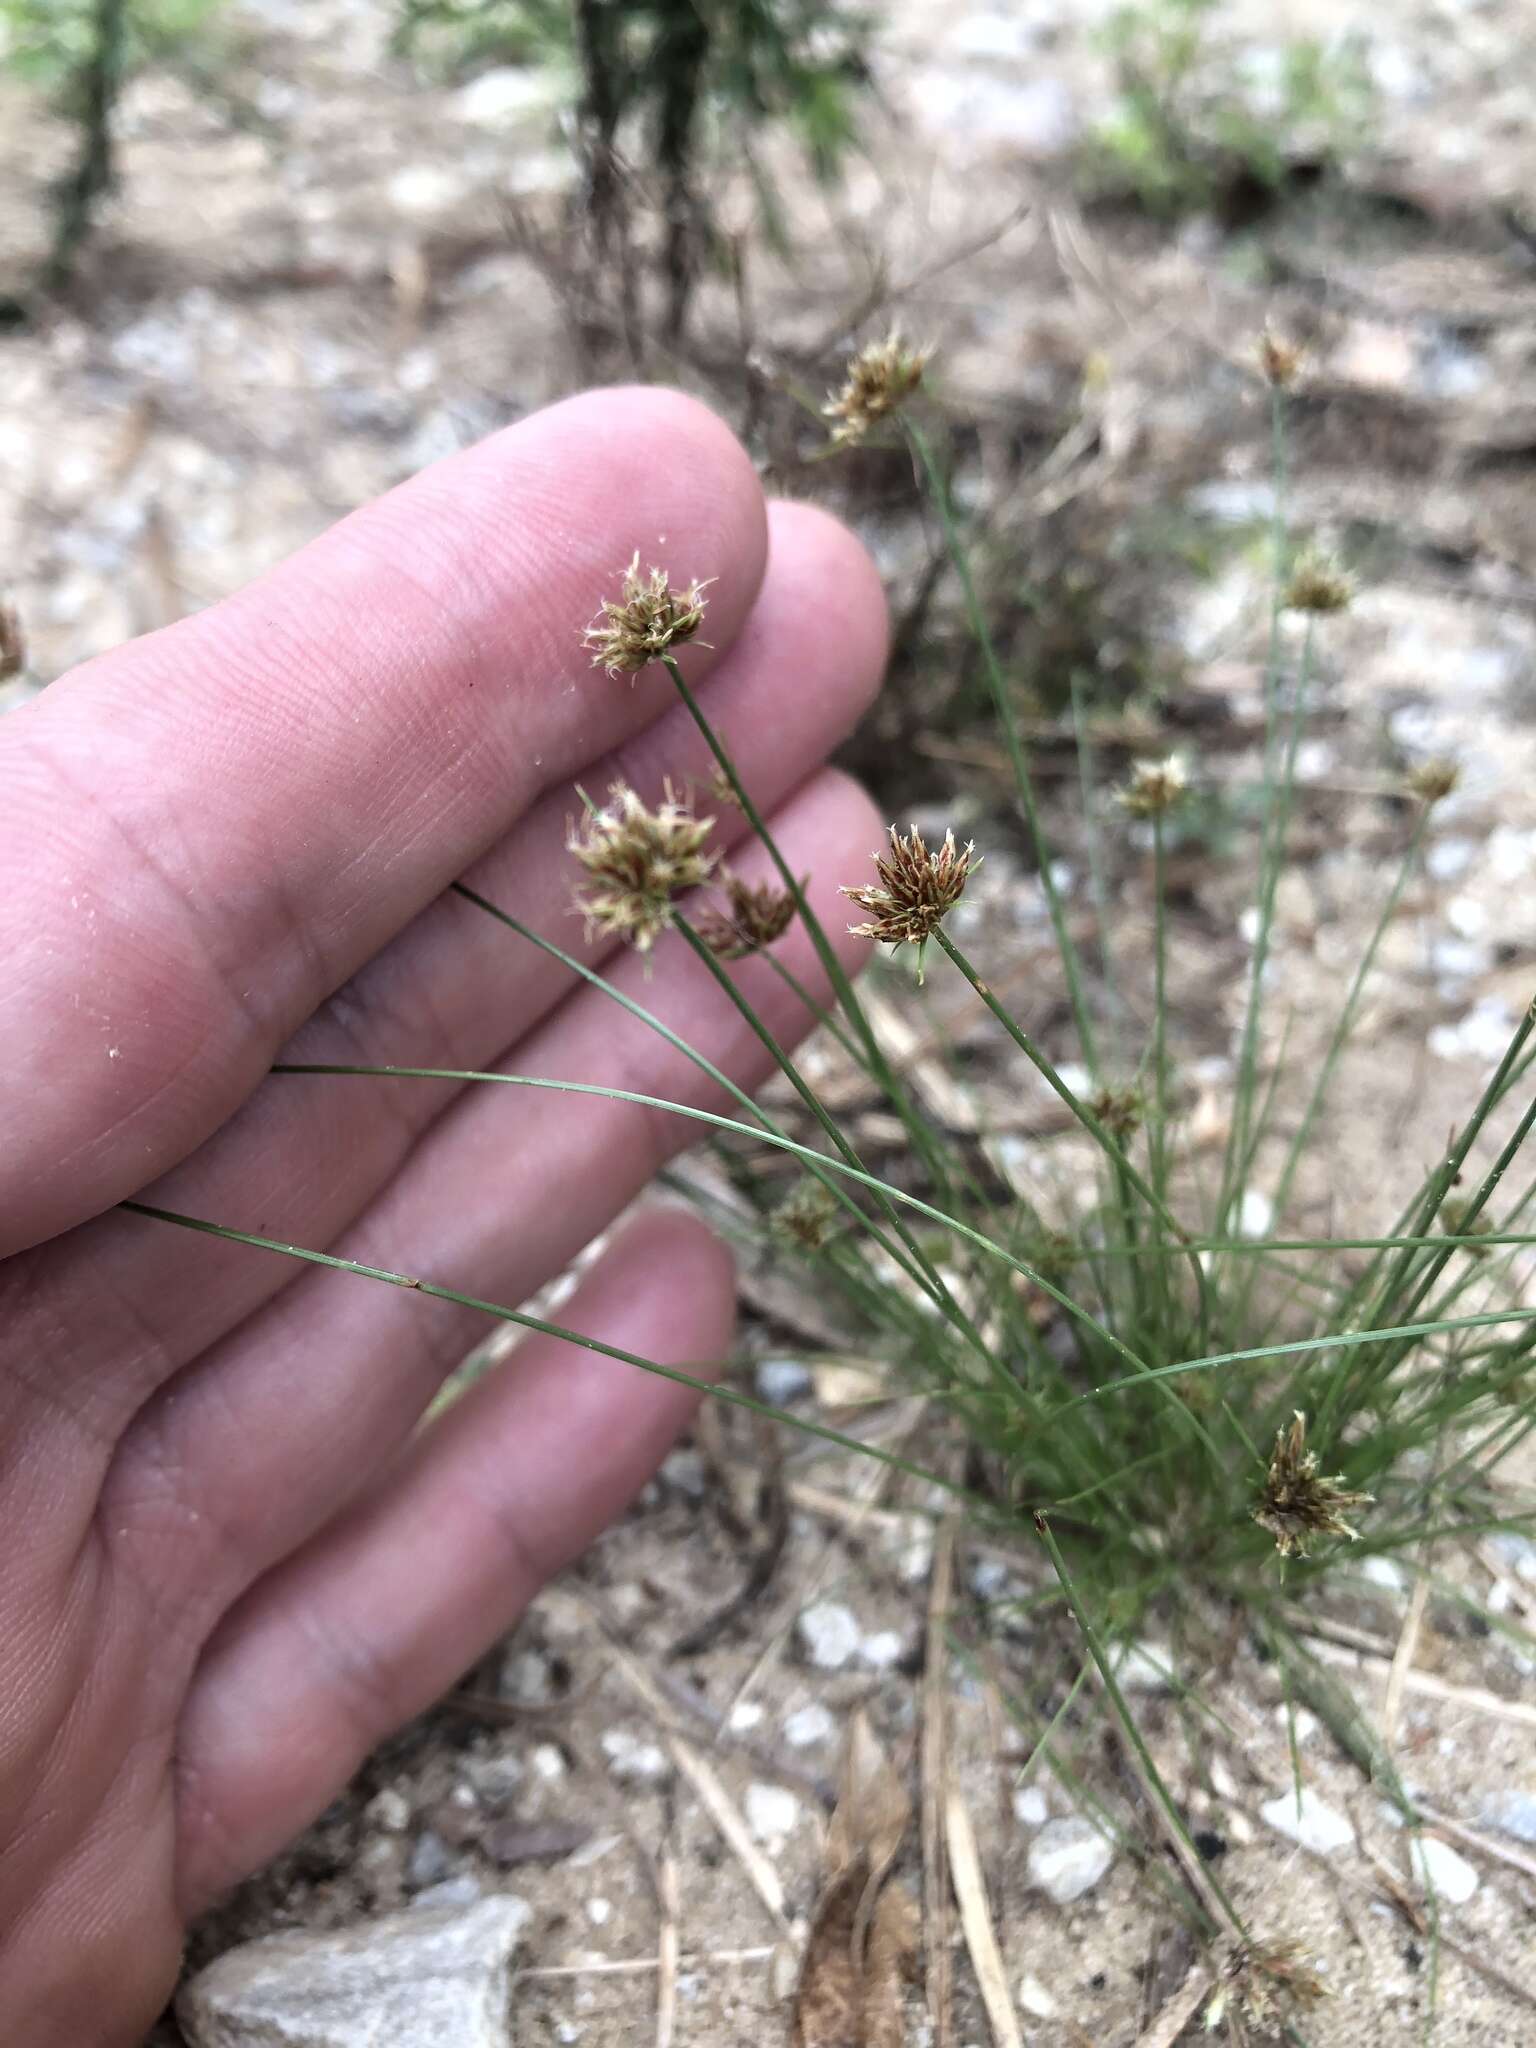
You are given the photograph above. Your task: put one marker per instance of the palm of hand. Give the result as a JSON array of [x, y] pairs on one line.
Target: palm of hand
[[228, 1562]]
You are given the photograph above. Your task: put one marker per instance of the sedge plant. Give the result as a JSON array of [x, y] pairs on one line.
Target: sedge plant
[[1185, 1421]]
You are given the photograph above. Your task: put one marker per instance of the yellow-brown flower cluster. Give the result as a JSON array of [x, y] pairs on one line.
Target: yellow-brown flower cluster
[[646, 622], [1155, 788], [879, 381], [1318, 585], [1298, 1502], [916, 889], [637, 861], [1259, 1982], [752, 920]]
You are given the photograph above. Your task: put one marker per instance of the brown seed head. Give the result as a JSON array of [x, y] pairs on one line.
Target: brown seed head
[[651, 617], [1120, 1111], [754, 919], [1433, 781], [13, 643], [1298, 1502], [879, 381], [1280, 359], [915, 891], [1259, 1981], [1318, 585], [1155, 788], [637, 860], [805, 1218]]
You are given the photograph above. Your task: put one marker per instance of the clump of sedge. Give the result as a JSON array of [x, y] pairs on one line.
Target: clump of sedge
[[637, 861], [646, 622], [1280, 359], [917, 888], [1155, 788], [1433, 781], [1258, 1981], [1318, 585], [879, 381], [1298, 1503], [754, 919]]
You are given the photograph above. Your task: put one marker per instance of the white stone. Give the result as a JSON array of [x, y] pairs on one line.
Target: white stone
[[389, 1810], [1382, 1572], [495, 96], [1145, 1667], [412, 1980], [1035, 1999], [831, 1634], [1441, 1870], [782, 1380], [463, 1890], [634, 1760], [599, 1911], [807, 1726], [547, 1762], [1316, 1826], [1068, 1858], [1029, 1807], [1256, 1214], [883, 1649], [745, 1716], [771, 1812], [526, 1678], [1513, 1813]]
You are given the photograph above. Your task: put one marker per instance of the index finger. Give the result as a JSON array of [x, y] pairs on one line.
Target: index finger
[[207, 832]]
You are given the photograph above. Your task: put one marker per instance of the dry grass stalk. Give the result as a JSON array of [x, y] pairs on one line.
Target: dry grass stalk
[[976, 1920]]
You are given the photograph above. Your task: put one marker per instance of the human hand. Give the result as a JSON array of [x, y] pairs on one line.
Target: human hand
[[227, 1565]]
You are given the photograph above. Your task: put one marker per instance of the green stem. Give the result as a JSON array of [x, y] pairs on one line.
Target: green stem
[[922, 1269], [1003, 704], [540, 1327], [1084, 1116], [826, 953]]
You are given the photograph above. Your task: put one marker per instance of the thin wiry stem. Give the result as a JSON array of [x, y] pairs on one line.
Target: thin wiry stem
[[1008, 719], [826, 953], [538, 1324], [1083, 1114]]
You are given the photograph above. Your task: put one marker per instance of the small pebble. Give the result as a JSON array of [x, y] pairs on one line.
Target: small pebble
[[599, 1911], [782, 1380], [1441, 1870], [771, 1812], [1035, 1999], [1029, 1807], [883, 1650], [526, 1677], [1146, 1667], [1316, 1826], [830, 1634], [808, 1725], [388, 1810], [430, 1860], [633, 1760], [463, 1890], [1068, 1858], [745, 1715], [547, 1761], [1514, 1814]]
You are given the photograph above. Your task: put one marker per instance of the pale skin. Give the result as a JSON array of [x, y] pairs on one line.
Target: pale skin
[[230, 1561]]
